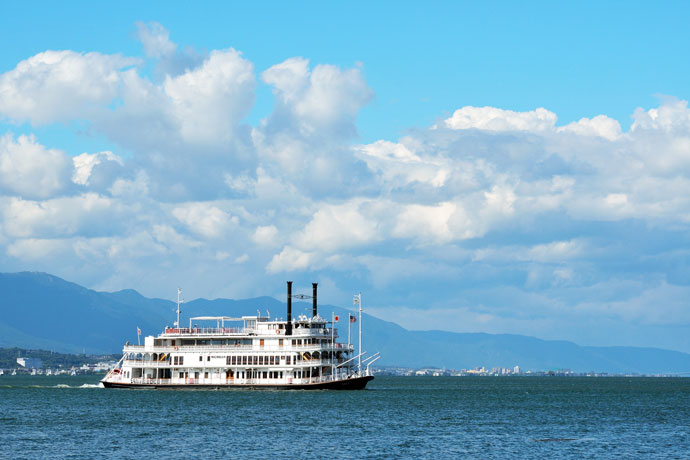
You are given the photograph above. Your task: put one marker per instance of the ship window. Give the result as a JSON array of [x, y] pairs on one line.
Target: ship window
[[261, 342], [261, 360], [280, 375], [208, 358], [234, 360], [201, 358], [244, 360], [181, 374], [293, 342], [205, 375], [280, 342], [264, 374], [227, 360], [255, 360]]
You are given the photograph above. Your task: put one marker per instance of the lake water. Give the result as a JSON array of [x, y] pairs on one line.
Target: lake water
[[396, 417]]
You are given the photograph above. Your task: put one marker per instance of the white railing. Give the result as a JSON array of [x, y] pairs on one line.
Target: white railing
[[306, 331], [172, 348], [207, 330], [231, 348], [145, 363], [195, 331], [194, 365]]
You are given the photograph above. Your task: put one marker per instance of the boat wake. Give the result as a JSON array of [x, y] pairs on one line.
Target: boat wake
[[60, 385]]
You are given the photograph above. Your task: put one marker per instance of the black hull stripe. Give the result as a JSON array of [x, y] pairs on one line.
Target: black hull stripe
[[358, 383]]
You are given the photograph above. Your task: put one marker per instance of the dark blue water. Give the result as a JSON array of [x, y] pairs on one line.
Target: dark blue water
[[396, 417]]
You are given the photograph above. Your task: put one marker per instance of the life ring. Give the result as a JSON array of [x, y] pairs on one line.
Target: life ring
[[277, 331], [175, 348]]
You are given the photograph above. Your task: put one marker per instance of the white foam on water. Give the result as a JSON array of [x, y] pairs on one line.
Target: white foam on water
[[92, 385]]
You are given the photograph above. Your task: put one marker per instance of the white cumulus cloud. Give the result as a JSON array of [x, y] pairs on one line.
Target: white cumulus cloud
[[61, 85], [85, 163], [30, 170], [209, 101], [495, 119], [205, 219]]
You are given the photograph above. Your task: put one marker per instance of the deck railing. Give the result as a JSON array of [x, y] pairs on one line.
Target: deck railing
[[216, 348], [193, 365], [300, 332], [206, 330]]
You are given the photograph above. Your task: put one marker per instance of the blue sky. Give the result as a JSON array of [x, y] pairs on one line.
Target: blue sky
[[494, 167], [424, 61]]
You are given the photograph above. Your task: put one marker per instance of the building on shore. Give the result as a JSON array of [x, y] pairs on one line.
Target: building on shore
[[30, 363]]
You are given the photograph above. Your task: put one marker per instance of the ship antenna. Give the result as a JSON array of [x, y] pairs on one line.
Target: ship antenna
[[179, 301], [358, 300]]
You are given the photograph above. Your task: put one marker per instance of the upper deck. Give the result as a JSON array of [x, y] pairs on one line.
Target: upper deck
[[251, 326]]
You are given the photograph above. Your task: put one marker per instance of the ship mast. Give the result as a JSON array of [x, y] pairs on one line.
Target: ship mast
[[358, 301], [179, 301]]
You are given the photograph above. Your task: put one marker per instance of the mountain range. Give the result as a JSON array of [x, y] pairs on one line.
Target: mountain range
[[39, 310]]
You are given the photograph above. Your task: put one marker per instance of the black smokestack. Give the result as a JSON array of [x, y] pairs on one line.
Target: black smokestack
[[314, 296], [288, 326]]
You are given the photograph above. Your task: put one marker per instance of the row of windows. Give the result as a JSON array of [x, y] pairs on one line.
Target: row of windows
[[201, 342], [310, 341], [238, 342], [300, 342], [259, 360], [252, 374], [298, 326]]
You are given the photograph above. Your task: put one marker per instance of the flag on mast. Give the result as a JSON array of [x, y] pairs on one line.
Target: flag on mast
[[336, 318]]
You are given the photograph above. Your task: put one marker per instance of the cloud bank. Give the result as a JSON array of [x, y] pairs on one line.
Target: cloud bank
[[491, 220]]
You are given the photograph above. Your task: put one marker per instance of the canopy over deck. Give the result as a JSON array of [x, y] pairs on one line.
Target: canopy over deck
[[220, 320]]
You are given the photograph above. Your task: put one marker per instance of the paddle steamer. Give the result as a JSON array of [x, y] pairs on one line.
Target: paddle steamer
[[247, 352]]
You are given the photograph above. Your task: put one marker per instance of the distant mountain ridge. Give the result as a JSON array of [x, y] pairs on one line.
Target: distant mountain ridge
[[38, 310]]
